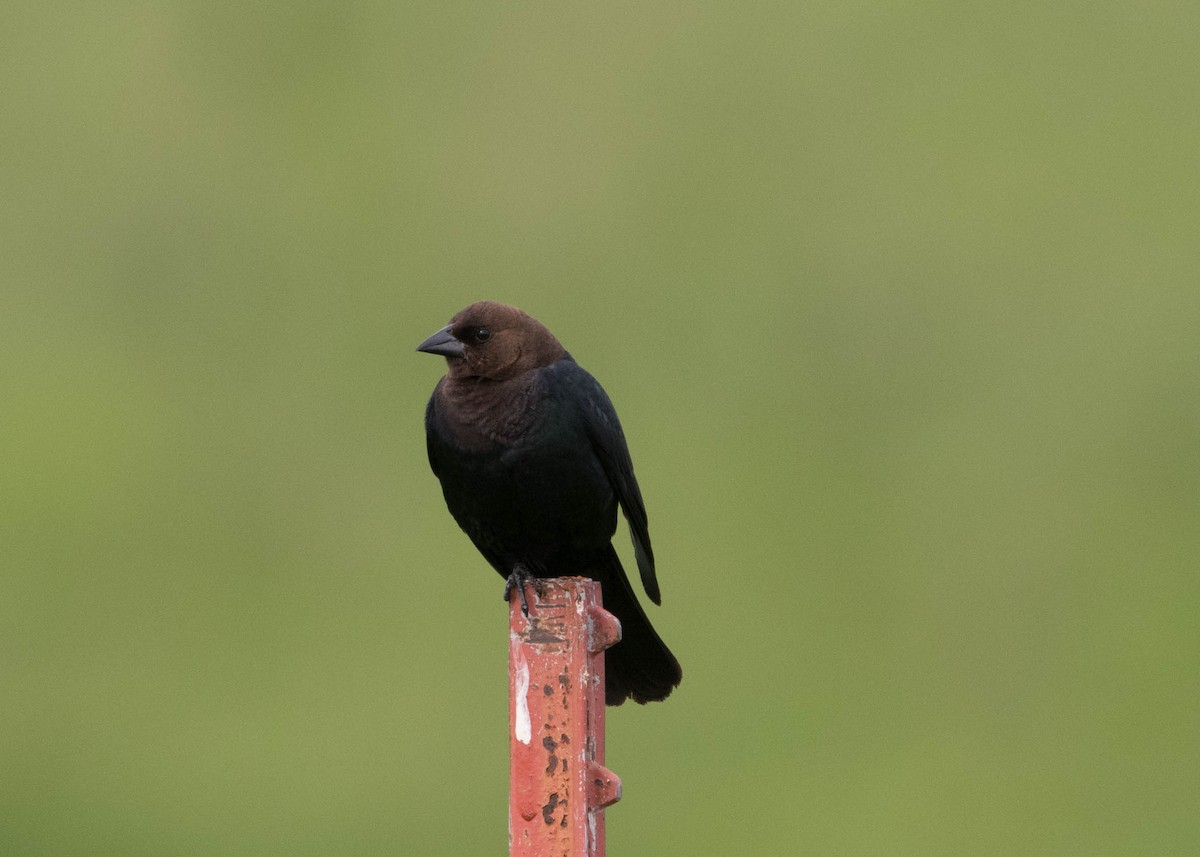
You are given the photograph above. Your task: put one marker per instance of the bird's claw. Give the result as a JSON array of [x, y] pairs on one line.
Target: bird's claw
[[517, 580]]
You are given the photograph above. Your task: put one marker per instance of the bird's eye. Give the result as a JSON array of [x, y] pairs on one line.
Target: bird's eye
[[482, 334]]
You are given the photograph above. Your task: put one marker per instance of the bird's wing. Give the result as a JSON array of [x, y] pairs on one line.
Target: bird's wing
[[608, 442]]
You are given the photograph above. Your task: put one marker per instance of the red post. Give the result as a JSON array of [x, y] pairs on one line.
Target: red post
[[558, 783]]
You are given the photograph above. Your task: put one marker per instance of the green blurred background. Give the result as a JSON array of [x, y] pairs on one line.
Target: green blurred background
[[898, 303]]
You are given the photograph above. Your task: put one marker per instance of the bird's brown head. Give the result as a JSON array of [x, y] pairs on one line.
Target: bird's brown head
[[493, 341]]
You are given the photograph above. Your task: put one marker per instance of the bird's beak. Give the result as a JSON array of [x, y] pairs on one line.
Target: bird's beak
[[443, 343]]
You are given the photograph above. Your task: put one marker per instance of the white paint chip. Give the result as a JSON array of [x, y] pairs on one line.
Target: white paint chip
[[522, 728]]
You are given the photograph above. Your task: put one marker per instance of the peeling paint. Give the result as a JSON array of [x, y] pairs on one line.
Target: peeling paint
[[551, 757], [522, 729]]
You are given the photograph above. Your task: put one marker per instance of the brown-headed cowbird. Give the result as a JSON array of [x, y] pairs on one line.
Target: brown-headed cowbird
[[533, 463]]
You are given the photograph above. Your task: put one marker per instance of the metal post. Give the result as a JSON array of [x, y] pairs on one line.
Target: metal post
[[558, 783]]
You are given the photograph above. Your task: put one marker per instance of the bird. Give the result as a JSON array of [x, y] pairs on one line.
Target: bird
[[533, 464]]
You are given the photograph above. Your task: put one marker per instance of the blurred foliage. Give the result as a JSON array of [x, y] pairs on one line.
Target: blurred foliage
[[898, 303]]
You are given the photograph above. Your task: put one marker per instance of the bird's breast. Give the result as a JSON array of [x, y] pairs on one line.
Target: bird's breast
[[486, 418], [517, 465]]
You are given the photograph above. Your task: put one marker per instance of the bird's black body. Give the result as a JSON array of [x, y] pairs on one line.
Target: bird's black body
[[533, 465]]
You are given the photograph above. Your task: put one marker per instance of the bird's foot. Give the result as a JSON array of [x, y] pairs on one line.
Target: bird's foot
[[518, 580]]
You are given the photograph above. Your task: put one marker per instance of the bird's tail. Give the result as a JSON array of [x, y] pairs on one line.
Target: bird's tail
[[640, 667]]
